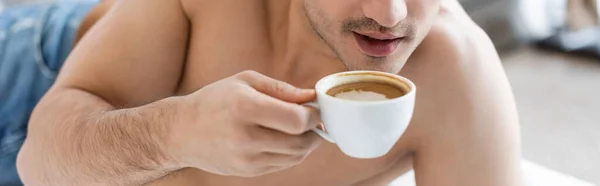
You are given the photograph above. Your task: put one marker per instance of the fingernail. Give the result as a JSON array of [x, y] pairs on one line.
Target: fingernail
[[300, 91], [308, 91]]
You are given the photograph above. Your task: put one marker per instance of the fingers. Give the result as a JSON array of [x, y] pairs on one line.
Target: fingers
[[291, 118], [261, 164], [279, 160], [274, 105], [277, 89], [269, 150], [280, 143]]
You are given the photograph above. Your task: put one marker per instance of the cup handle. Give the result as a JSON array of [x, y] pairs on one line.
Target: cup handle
[[320, 132]]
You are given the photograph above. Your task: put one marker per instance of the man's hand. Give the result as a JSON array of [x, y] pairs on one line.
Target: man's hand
[[244, 125]]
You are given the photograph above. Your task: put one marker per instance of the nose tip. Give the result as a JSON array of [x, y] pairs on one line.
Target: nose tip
[[387, 13]]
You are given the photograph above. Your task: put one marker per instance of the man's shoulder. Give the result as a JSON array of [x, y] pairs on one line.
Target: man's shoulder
[[457, 68], [455, 45], [456, 39]]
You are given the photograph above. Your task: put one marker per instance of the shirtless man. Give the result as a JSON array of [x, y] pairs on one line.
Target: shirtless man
[[207, 93]]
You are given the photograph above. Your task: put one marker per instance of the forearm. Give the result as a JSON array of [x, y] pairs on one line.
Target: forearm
[[75, 138]]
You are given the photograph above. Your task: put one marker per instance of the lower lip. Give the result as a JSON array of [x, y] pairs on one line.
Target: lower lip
[[376, 48]]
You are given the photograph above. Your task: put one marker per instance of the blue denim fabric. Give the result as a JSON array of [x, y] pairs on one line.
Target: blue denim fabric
[[35, 40]]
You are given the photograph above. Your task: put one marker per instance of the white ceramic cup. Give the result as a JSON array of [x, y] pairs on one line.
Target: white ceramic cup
[[364, 129]]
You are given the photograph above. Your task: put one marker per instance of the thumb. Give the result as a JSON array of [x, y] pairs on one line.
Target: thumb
[[277, 89]]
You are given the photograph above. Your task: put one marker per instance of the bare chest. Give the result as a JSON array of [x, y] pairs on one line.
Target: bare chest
[[209, 62], [247, 37], [224, 45], [217, 51]]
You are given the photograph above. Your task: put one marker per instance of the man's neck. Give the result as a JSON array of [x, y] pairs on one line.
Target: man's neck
[[301, 38], [299, 53]]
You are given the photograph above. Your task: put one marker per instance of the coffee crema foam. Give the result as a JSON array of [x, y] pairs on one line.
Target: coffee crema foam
[[366, 91], [360, 95]]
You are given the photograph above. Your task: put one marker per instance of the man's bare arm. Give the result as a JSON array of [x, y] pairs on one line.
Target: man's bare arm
[[84, 141], [471, 134], [111, 118], [77, 134]]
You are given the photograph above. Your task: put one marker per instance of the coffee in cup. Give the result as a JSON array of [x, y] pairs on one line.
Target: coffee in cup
[[364, 112], [367, 91]]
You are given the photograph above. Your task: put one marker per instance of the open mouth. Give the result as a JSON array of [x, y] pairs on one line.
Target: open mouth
[[375, 47]]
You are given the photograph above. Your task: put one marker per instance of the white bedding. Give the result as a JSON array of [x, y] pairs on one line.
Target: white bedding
[[535, 175]]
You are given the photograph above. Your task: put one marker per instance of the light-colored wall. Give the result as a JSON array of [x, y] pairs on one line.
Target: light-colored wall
[[513, 22]]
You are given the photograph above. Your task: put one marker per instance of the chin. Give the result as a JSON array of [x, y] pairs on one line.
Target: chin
[[390, 64], [383, 66], [354, 59]]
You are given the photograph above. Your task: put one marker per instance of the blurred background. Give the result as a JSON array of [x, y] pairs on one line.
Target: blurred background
[[551, 54]]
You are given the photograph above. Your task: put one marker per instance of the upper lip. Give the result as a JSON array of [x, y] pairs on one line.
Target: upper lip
[[379, 35]]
